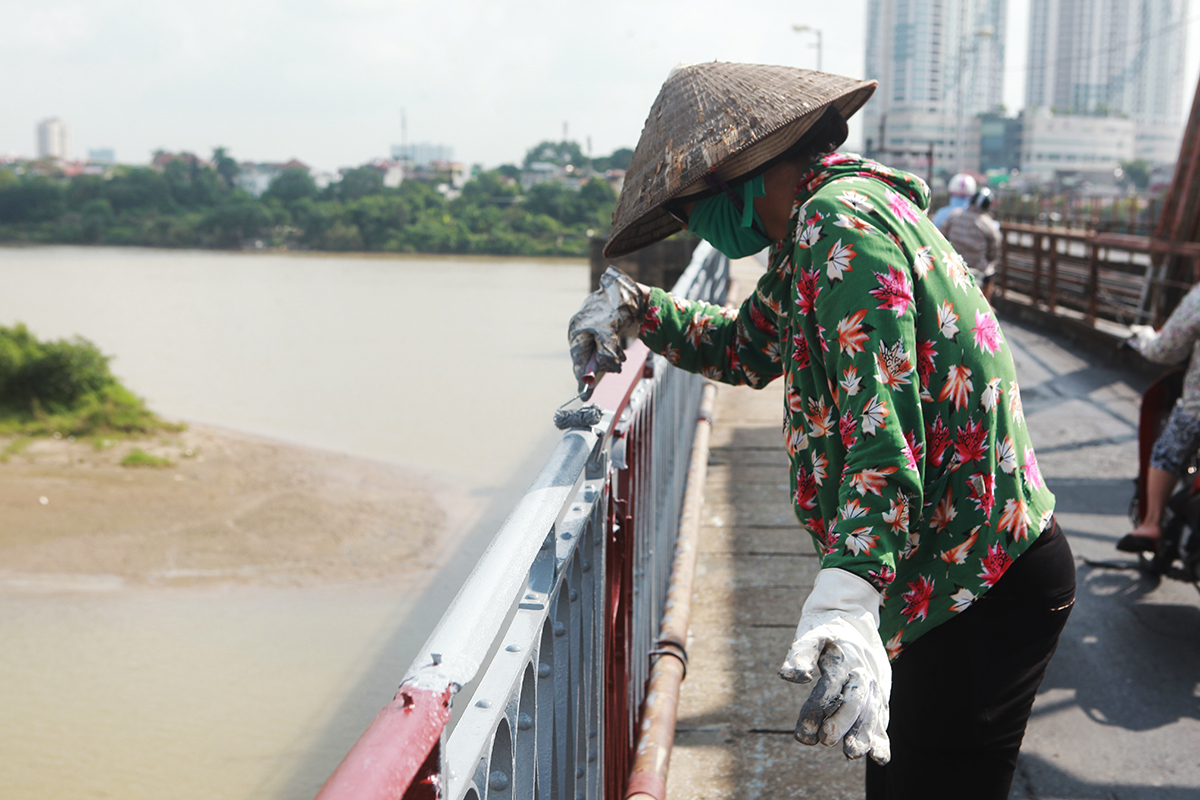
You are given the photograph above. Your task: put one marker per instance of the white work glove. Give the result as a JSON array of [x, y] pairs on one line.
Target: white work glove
[[607, 316], [1140, 336], [838, 636]]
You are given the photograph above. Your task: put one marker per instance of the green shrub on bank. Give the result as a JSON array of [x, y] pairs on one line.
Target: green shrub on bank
[[64, 387]]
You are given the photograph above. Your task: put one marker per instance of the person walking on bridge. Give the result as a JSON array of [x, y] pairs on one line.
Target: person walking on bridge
[[944, 579], [976, 237]]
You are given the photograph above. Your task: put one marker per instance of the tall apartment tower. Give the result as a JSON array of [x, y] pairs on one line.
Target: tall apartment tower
[[53, 139], [939, 63], [1112, 57]]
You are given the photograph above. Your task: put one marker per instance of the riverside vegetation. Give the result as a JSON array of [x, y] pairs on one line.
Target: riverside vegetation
[[64, 388], [191, 204]]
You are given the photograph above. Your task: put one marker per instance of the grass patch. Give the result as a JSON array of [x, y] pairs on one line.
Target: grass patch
[[15, 447], [140, 458]]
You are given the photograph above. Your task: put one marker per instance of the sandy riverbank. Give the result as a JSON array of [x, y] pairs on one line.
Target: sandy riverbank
[[231, 508]]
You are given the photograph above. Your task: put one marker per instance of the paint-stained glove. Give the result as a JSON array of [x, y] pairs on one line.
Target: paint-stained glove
[[838, 637], [607, 316]]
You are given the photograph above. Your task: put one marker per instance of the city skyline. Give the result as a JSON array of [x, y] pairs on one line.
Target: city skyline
[[326, 82]]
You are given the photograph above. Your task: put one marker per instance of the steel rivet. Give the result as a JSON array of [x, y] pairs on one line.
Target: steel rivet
[[498, 781], [524, 722], [586, 566], [574, 595], [580, 771], [560, 629], [484, 704], [543, 670], [591, 756], [567, 535], [513, 648]]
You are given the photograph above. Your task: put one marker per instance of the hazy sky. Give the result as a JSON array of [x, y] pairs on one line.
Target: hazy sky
[[325, 81]]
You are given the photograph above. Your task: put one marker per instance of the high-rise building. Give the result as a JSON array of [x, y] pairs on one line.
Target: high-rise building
[[1112, 57], [53, 139], [939, 63]]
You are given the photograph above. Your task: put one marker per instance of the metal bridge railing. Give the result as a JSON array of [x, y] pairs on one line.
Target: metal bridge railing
[[1109, 276], [556, 623]]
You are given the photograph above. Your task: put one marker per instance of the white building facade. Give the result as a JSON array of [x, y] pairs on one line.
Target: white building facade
[[53, 139], [1054, 143], [938, 63], [1112, 58]]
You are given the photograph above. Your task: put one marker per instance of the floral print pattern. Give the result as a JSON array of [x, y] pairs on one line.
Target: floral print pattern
[[910, 460]]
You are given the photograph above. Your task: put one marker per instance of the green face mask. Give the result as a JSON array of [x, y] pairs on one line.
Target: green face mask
[[735, 232]]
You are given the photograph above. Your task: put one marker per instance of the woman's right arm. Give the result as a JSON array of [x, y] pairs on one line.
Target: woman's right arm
[[739, 346]]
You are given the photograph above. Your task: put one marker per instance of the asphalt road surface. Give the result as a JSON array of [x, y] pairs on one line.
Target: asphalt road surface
[[1118, 716]]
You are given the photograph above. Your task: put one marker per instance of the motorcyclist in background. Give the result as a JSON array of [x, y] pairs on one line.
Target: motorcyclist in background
[[962, 189], [1180, 438]]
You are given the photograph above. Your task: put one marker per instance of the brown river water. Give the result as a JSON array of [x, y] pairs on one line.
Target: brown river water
[[451, 367]]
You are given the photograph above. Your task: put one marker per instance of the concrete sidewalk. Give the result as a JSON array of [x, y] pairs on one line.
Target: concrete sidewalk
[[1119, 713], [755, 567]]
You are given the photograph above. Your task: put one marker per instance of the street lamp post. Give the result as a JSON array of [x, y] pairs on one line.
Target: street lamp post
[[817, 31]]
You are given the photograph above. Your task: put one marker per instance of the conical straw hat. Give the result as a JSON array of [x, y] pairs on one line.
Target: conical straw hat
[[723, 118]]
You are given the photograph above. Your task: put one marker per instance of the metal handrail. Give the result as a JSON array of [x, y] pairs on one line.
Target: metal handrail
[[1118, 277], [554, 627]]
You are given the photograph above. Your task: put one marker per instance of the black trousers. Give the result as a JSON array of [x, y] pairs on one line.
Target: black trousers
[[962, 693]]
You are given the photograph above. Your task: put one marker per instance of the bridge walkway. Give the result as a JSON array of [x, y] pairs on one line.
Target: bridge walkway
[[1119, 713]]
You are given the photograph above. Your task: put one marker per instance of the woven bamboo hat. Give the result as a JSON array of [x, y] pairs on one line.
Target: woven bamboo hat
[[723, 118]]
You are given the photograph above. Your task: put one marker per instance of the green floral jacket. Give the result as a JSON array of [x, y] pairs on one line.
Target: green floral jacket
[[910, 460]]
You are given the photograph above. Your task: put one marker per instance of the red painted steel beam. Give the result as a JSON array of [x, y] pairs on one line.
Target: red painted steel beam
[[397, 756]]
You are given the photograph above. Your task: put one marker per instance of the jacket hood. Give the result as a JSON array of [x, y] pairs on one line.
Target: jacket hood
[[851, 165]]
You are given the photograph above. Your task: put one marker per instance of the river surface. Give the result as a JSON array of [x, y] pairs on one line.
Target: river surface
[[451, 366]]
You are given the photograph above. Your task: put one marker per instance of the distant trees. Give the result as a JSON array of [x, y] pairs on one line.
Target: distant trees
[[225, 166], [190, 203], [563, 154], [292, 184], [618, 160], [1137, 172]]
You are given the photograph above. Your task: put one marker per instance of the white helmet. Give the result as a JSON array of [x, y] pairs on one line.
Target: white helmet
[[962, 185]]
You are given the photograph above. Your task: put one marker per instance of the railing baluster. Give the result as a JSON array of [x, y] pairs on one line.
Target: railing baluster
[[1052, 290], [1093, 282]]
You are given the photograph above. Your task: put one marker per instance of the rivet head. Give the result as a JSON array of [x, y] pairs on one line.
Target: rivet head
[[484, 704], [586, 566], [567, 535], [513, 648], [574, 595], [498, 781], [524, 722], [560, 629], [543, 670]]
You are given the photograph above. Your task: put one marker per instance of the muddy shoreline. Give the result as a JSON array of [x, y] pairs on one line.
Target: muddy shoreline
[[230, 509]]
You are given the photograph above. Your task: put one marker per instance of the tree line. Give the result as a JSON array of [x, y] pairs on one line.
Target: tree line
[[191, 204]]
